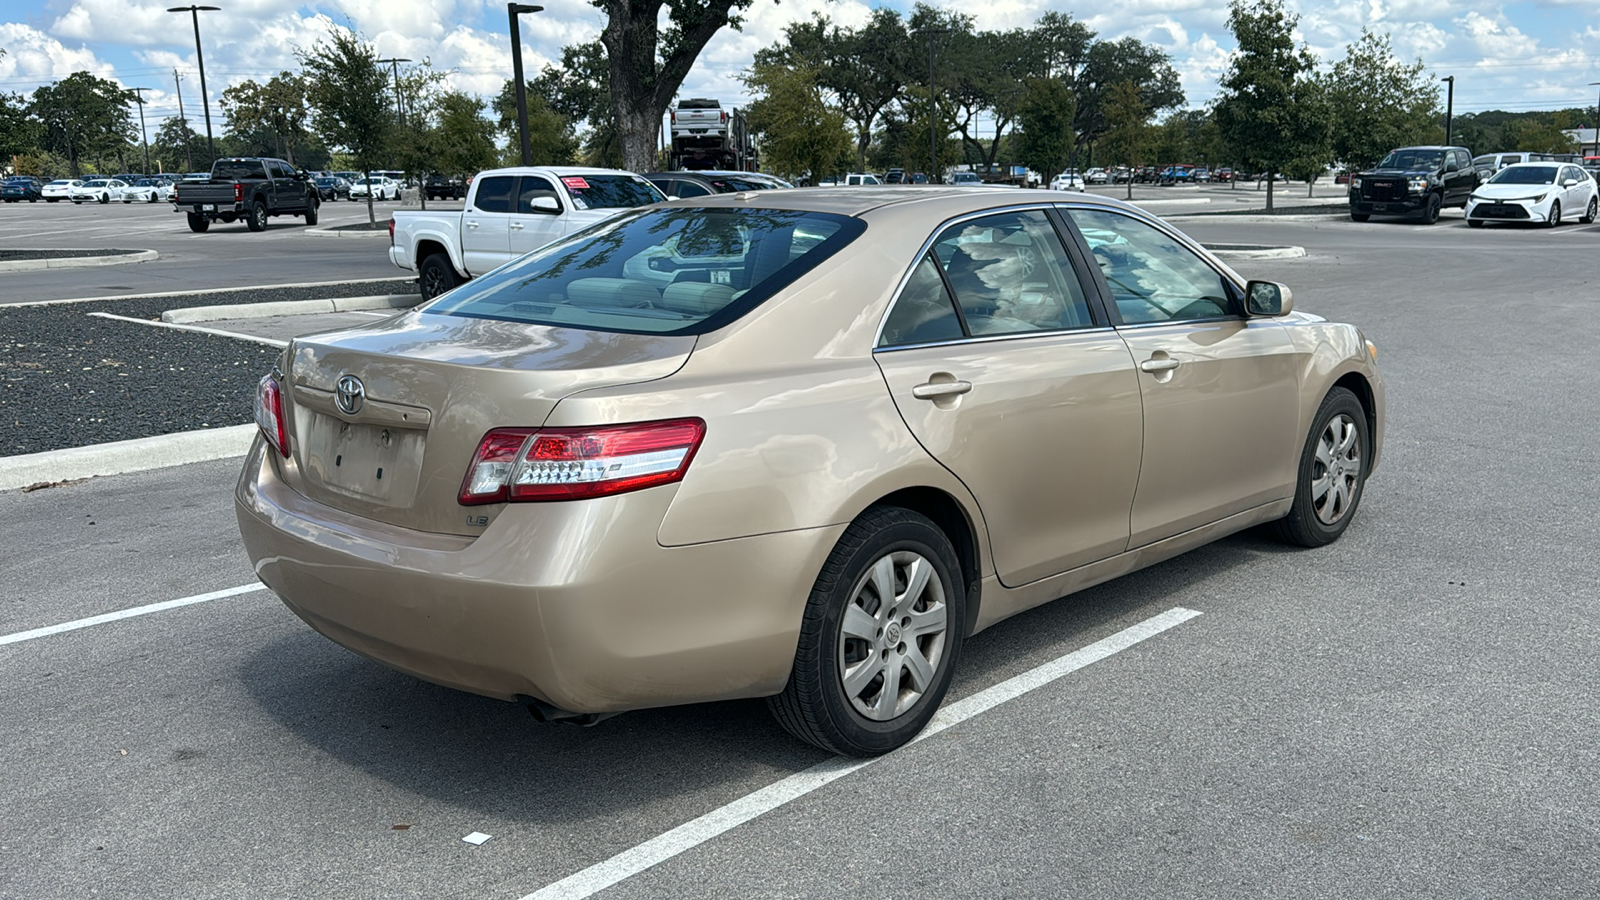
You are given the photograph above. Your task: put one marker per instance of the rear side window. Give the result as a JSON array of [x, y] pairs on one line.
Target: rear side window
[[690, 189], [657, 271], [238, 170], [494, 194], [611, 191]]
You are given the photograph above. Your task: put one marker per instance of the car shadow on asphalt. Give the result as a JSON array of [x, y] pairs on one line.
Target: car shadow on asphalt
[[494, 758]]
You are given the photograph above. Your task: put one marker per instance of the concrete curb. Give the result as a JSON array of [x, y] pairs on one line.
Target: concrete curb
[[330, 232], [122, 457], [194, 291], [1255, 251], [288, 308], [77, 262]]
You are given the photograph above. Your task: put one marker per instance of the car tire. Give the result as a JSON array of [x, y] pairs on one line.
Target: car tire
[[105, 198], [436, 276], [311, 213], [198, 223], [1590, 213], [857, 633], [152, 198], [1332, 474], [1554, 219], [1430, 210], [258, 217], [1360, 217]]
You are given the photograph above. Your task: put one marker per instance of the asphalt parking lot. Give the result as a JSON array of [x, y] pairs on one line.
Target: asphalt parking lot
[[1407, 713]]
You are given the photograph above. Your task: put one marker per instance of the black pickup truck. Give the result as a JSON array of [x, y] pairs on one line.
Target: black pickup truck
[[1415, 182], [252, 189]]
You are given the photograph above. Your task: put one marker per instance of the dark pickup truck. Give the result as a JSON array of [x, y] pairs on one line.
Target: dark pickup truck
[[1415, 182], [252, 189]]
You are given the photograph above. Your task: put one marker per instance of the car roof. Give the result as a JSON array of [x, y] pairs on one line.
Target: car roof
[[557, 170], [919, 203]]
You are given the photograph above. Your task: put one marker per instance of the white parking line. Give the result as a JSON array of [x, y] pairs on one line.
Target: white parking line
[[691, 834], [197, 329], [120, 614]]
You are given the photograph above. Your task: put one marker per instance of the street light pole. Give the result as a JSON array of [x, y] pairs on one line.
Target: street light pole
[[1449, 108], [395, 66], [144, 136], [512, 10], [205, 99], [188, 159], [1596, 121], [933, 136]]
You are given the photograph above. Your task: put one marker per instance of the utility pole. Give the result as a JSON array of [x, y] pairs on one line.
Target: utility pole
[[1449, 108], [144, 136], [188, 160], [512, 10], [933, 114], [205, 98]]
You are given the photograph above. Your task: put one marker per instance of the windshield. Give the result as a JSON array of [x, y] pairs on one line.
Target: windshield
[[1525, 175], [98, 182], [727, 184], [1412, 159], [611, 191], [656, 271]]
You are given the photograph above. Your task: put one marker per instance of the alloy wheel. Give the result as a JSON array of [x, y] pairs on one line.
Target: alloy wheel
[[1336, 470], [893, 635]]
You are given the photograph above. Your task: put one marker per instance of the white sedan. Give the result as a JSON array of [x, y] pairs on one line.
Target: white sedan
[[381, 187], [100, 190], [1541, 192], [1067, 181], [60, 189], [145, 189]]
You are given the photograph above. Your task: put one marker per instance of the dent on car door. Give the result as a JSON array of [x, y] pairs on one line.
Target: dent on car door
[[1007, 376], [1220, 392]]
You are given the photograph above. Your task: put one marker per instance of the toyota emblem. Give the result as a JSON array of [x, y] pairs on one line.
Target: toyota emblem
[[349, 394]]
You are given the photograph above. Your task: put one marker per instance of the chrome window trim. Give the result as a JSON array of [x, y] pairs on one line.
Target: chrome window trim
[[991, 338], [927, 245]]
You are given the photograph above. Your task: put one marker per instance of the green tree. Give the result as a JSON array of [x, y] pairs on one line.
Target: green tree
[[462, 140], [1047, 137], [348, 92], [19, 132], [799, 133], [83, 116], [278, 108], [175, 144], [1268, 109], [1111, 62], [551, 137], [1127, 136], [1377, 103]]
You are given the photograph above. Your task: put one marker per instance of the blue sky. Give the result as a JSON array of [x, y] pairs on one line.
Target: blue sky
[[1517, 56]]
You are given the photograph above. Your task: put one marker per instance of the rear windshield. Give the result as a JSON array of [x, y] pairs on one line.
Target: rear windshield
[[611, 191], [1525, 175], [657, 271], [238, 170], [727, 184], [699, 104]]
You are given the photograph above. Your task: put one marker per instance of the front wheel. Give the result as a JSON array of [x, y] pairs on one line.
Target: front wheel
[[258, 217], [1430, 210], [437, 276], [198, 223], [105, 198], [1593, 210], [1332, 474], [1554, 218], [880, 637], [311, 213]]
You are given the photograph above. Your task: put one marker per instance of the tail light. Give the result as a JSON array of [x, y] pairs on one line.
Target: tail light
[[269, 414], [532, 464], [391, 232], [724, 117], [238, 193]]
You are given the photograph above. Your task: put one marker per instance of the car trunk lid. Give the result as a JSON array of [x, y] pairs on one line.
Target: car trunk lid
[[384, 419]]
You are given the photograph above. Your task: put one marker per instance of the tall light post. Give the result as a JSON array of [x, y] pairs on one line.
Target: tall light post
[[205, 99], [1449, 108], [512, 11], [1596, 122], [933, 136], [144, 136], [188, 158], [394, 64]]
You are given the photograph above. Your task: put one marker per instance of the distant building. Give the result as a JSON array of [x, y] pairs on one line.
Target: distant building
[[1585, 139]]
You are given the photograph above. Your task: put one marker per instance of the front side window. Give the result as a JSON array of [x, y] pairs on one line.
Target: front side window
[[533, 187], [657, 271], [494, 194], [1152, 276]]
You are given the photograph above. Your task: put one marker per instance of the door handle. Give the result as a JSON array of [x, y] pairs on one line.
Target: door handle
[[472, 224], [515, 226], [933, 390], [1158, 364]]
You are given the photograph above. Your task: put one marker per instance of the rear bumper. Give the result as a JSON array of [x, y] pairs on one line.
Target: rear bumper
[[576, 604]]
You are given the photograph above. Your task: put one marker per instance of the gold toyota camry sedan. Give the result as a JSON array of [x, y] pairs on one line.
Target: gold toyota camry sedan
[[794, 444]]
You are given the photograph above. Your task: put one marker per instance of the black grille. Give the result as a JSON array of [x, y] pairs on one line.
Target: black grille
[[1499, 211], [1383, 190]]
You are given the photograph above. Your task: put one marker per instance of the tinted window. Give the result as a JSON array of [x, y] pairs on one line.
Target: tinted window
[[494, 194], [532, 187], [610, 191], [1010, 275], [727, 184], [690, 189], [657, 271], [1152, 277], [924, 312], [238, 170]]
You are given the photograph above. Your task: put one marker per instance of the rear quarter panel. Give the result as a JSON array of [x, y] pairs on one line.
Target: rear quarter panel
[[414, 229]]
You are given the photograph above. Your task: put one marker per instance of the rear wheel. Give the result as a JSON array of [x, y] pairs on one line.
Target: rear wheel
[[198, 223], [1333, 471], [437, 276], [258, 217], [1593, 210], [880, 638]]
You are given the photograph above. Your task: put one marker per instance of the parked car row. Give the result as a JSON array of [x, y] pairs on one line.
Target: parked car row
[[87, 190]]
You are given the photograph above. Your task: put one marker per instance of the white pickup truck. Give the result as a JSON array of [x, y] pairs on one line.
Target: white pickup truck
[[509, 212]]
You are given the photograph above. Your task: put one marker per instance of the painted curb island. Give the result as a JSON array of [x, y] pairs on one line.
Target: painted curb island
[[77, 262]]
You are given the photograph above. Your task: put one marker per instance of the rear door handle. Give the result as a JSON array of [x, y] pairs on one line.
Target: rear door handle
[[933, 390], [1158, 364]]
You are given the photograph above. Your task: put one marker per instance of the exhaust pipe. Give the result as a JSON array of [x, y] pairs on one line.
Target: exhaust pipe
[[548, 714]]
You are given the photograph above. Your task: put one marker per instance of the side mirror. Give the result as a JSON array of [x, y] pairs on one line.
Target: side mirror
[[1451, 166], [672, 196], [1265, 299], [546, 204]]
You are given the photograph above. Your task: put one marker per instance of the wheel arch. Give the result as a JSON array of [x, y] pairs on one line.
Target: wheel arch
[[427, 247], [953, 519], [1357, 383]]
